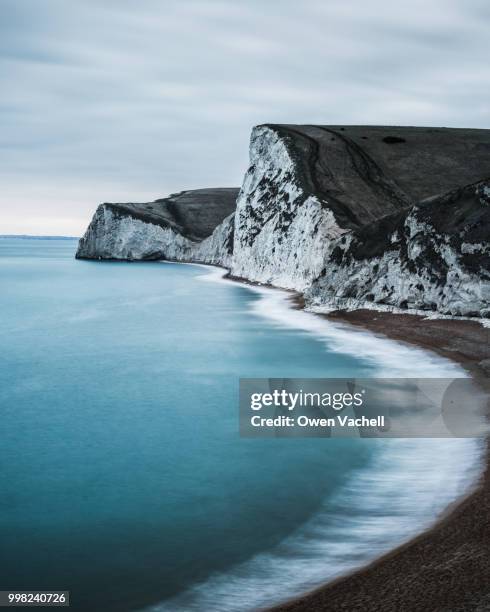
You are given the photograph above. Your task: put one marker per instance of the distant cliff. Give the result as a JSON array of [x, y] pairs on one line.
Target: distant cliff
[[180, 227], [378, 217]]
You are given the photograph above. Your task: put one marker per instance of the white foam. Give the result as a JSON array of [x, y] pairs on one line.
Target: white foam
[[393, 359], [399, 495]]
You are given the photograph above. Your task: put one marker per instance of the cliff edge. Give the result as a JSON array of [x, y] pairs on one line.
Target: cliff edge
[[179, 227], [353, 216]]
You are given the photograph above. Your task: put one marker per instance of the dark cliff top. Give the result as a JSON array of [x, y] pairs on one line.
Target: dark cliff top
[[194, 213], [365, 172]]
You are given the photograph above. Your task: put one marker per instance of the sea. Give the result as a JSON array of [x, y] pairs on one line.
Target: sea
[[123, 477]]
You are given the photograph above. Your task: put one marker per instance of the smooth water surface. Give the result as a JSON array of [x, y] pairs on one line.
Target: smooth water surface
[[123, 478]]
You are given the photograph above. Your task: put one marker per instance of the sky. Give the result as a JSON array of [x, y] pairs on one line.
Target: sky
[[131, 100]]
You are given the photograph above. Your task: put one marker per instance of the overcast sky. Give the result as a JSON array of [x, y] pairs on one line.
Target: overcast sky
[[119, 100]]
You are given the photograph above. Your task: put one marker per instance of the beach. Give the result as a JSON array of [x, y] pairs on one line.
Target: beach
[[447, 567]]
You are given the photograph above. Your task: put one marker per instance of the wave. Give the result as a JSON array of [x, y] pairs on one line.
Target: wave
[[402, 492], [392, 359]]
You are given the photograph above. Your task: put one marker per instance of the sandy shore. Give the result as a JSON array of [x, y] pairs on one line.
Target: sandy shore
[[448, 567]]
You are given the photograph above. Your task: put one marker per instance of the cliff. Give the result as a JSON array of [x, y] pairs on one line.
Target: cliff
[[434, 256], [351, 215], [307, 185], [180, 227]]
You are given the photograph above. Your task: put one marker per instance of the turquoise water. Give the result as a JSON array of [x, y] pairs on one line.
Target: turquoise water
[[123, 478]]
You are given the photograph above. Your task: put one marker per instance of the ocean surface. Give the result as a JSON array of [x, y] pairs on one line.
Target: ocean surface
[[122, 475]]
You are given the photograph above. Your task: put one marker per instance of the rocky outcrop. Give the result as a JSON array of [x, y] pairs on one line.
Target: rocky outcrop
[[182, 227], [353, 216], [308, 185], [434, 256], [305, 187]]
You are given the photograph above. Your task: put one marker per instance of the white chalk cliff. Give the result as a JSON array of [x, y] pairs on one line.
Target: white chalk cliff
[[189, 226], [281, 228], [433, 257], [351, 216]]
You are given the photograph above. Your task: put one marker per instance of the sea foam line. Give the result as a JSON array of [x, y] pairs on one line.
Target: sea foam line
[[393, 359], [401, 494]]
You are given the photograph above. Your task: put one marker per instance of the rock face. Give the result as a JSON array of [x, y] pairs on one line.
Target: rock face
[[352, 216], [305, 187], [434, 256], [180, 227], [308, 185]]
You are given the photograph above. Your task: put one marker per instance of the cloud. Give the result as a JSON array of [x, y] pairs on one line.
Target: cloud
[[118, 100]]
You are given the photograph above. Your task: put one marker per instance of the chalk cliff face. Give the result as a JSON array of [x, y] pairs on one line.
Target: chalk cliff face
[[351, 215], [296, 199], [434, 256], [182, 227], [280, 225], [308, 185]]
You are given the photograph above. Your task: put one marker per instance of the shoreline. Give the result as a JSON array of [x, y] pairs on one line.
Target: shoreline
[[424, 572], [446, 567], [443, 565]]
